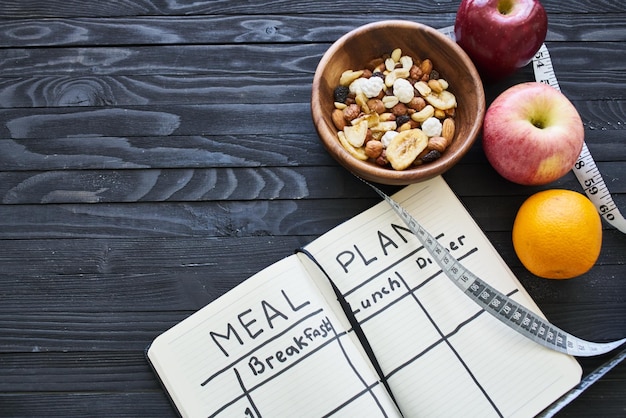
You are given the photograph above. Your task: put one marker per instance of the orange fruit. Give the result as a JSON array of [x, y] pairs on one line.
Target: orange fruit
[[557, 234]]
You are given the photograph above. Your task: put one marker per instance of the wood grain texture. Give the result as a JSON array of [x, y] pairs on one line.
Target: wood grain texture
[[155, 153]]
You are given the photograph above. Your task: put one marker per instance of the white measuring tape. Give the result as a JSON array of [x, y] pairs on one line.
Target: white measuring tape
[[505, 309], [585, 168]]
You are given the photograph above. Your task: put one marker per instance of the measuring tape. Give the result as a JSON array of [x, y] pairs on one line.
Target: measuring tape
[[585, 168], [500, 306], [505, 309]]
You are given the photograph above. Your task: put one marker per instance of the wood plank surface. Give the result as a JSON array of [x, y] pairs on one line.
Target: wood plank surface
[[156, 153]]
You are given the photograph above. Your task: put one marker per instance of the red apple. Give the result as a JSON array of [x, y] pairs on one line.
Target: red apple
[[500, 36], [532, 134]]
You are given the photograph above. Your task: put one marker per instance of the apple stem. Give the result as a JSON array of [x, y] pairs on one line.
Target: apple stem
[[538, 123], [505, 6]]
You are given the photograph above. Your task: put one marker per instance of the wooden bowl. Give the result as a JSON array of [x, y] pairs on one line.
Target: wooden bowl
[[355, 49]]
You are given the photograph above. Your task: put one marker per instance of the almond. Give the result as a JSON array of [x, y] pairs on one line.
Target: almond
[[447, 130], [338, 119]]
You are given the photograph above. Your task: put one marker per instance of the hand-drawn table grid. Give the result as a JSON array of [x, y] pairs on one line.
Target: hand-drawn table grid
[[408, 289], [245, 403]]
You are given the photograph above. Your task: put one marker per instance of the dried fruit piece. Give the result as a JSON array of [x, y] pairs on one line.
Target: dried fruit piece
[[405, 147], [341, 93], [358, 153], [372, 119], [395, 95], [444, 100], [385, 126], [355, 134], [431, 156]]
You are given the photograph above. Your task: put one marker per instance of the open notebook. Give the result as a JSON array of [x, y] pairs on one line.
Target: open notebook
[[362, 322]]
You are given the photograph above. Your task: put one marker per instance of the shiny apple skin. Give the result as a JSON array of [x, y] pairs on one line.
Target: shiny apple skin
[[498, 43]]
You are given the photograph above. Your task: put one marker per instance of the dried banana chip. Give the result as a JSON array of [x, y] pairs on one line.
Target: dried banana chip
[[405, 147], [355, 134], [444, 100], [358, 153]]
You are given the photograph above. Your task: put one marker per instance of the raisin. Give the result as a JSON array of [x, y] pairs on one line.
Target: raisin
[[341, 94], [402, 119], [434, 75], [378, 74], [431, 156]]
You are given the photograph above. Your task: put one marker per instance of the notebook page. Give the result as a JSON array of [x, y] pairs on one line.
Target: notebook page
[[440, 353], [270, 347]]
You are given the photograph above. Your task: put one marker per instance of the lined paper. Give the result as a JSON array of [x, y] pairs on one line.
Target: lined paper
[[437, 349], [273, 347]]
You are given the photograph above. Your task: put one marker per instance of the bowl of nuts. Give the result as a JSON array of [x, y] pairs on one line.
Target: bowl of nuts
[[397, 102]]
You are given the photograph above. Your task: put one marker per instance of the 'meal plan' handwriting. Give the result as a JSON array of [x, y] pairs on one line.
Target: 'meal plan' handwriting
[[251, 324], [387, 242]]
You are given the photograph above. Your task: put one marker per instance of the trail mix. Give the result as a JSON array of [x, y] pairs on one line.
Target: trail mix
[[396, 112]]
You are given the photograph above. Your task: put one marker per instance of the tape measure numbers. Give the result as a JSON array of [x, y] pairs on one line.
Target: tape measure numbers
[[505, 309], [585, 168]]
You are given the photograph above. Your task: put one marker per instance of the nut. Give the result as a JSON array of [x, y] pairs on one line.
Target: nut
[[396, 54], [399, 109], [422, 88], [423, 114], [447, 129], [406, 62], [438, 143], [373, 149], [415, 72], [387, 116], [435, 86], [376, 105], [351, 112], [349, 76], [394, 75], [417, 103], [390, 101], [440, 114], [426, 66], [338, 119]]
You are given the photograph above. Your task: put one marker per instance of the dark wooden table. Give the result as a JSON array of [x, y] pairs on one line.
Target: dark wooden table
[[153, 154]]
